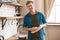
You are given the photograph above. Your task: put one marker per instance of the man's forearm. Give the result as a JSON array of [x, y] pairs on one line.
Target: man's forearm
[[27, 29], [30, 29], [39, 28]]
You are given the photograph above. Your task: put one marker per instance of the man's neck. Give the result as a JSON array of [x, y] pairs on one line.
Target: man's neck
[[33, 12]]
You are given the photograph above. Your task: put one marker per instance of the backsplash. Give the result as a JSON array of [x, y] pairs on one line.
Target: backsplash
[[10, 27], [7, 10]]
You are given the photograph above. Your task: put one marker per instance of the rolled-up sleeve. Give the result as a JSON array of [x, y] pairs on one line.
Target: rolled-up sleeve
[[44, 19]]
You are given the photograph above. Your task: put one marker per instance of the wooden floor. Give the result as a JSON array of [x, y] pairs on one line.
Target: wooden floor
[[12, 38]]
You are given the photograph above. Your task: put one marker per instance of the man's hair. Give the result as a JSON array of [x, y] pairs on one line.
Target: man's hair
[[29, 2]]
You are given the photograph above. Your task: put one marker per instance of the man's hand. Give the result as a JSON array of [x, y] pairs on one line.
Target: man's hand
[[39, 28], [34, 28]]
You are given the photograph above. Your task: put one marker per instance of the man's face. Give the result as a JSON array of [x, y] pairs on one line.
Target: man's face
[[30, 7]]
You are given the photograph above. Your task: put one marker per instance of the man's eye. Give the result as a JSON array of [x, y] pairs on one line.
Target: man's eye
[[30, 5]]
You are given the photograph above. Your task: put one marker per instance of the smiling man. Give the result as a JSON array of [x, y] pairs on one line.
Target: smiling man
[[34, 22]]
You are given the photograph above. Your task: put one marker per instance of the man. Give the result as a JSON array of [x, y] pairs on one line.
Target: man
[[34, 22]]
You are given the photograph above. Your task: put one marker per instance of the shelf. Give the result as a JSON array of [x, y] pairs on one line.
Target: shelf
[[14, 17], [6, 18], [13, 4]]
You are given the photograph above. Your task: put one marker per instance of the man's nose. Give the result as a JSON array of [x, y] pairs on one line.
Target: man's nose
[[30, 7]]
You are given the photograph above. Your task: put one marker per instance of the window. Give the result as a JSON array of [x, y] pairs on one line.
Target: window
[[55, 12]]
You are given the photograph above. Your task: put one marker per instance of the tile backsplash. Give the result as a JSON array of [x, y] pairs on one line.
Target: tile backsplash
[[10, 27], [7, 10]]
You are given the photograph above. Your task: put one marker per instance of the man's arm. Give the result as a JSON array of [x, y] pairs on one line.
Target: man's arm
[[30, 29], [26, 29], [39, 28]]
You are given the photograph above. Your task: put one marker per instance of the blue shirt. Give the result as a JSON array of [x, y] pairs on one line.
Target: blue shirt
[[27, 22]]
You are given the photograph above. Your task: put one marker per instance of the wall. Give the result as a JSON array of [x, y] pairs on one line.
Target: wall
[[53, 32]]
